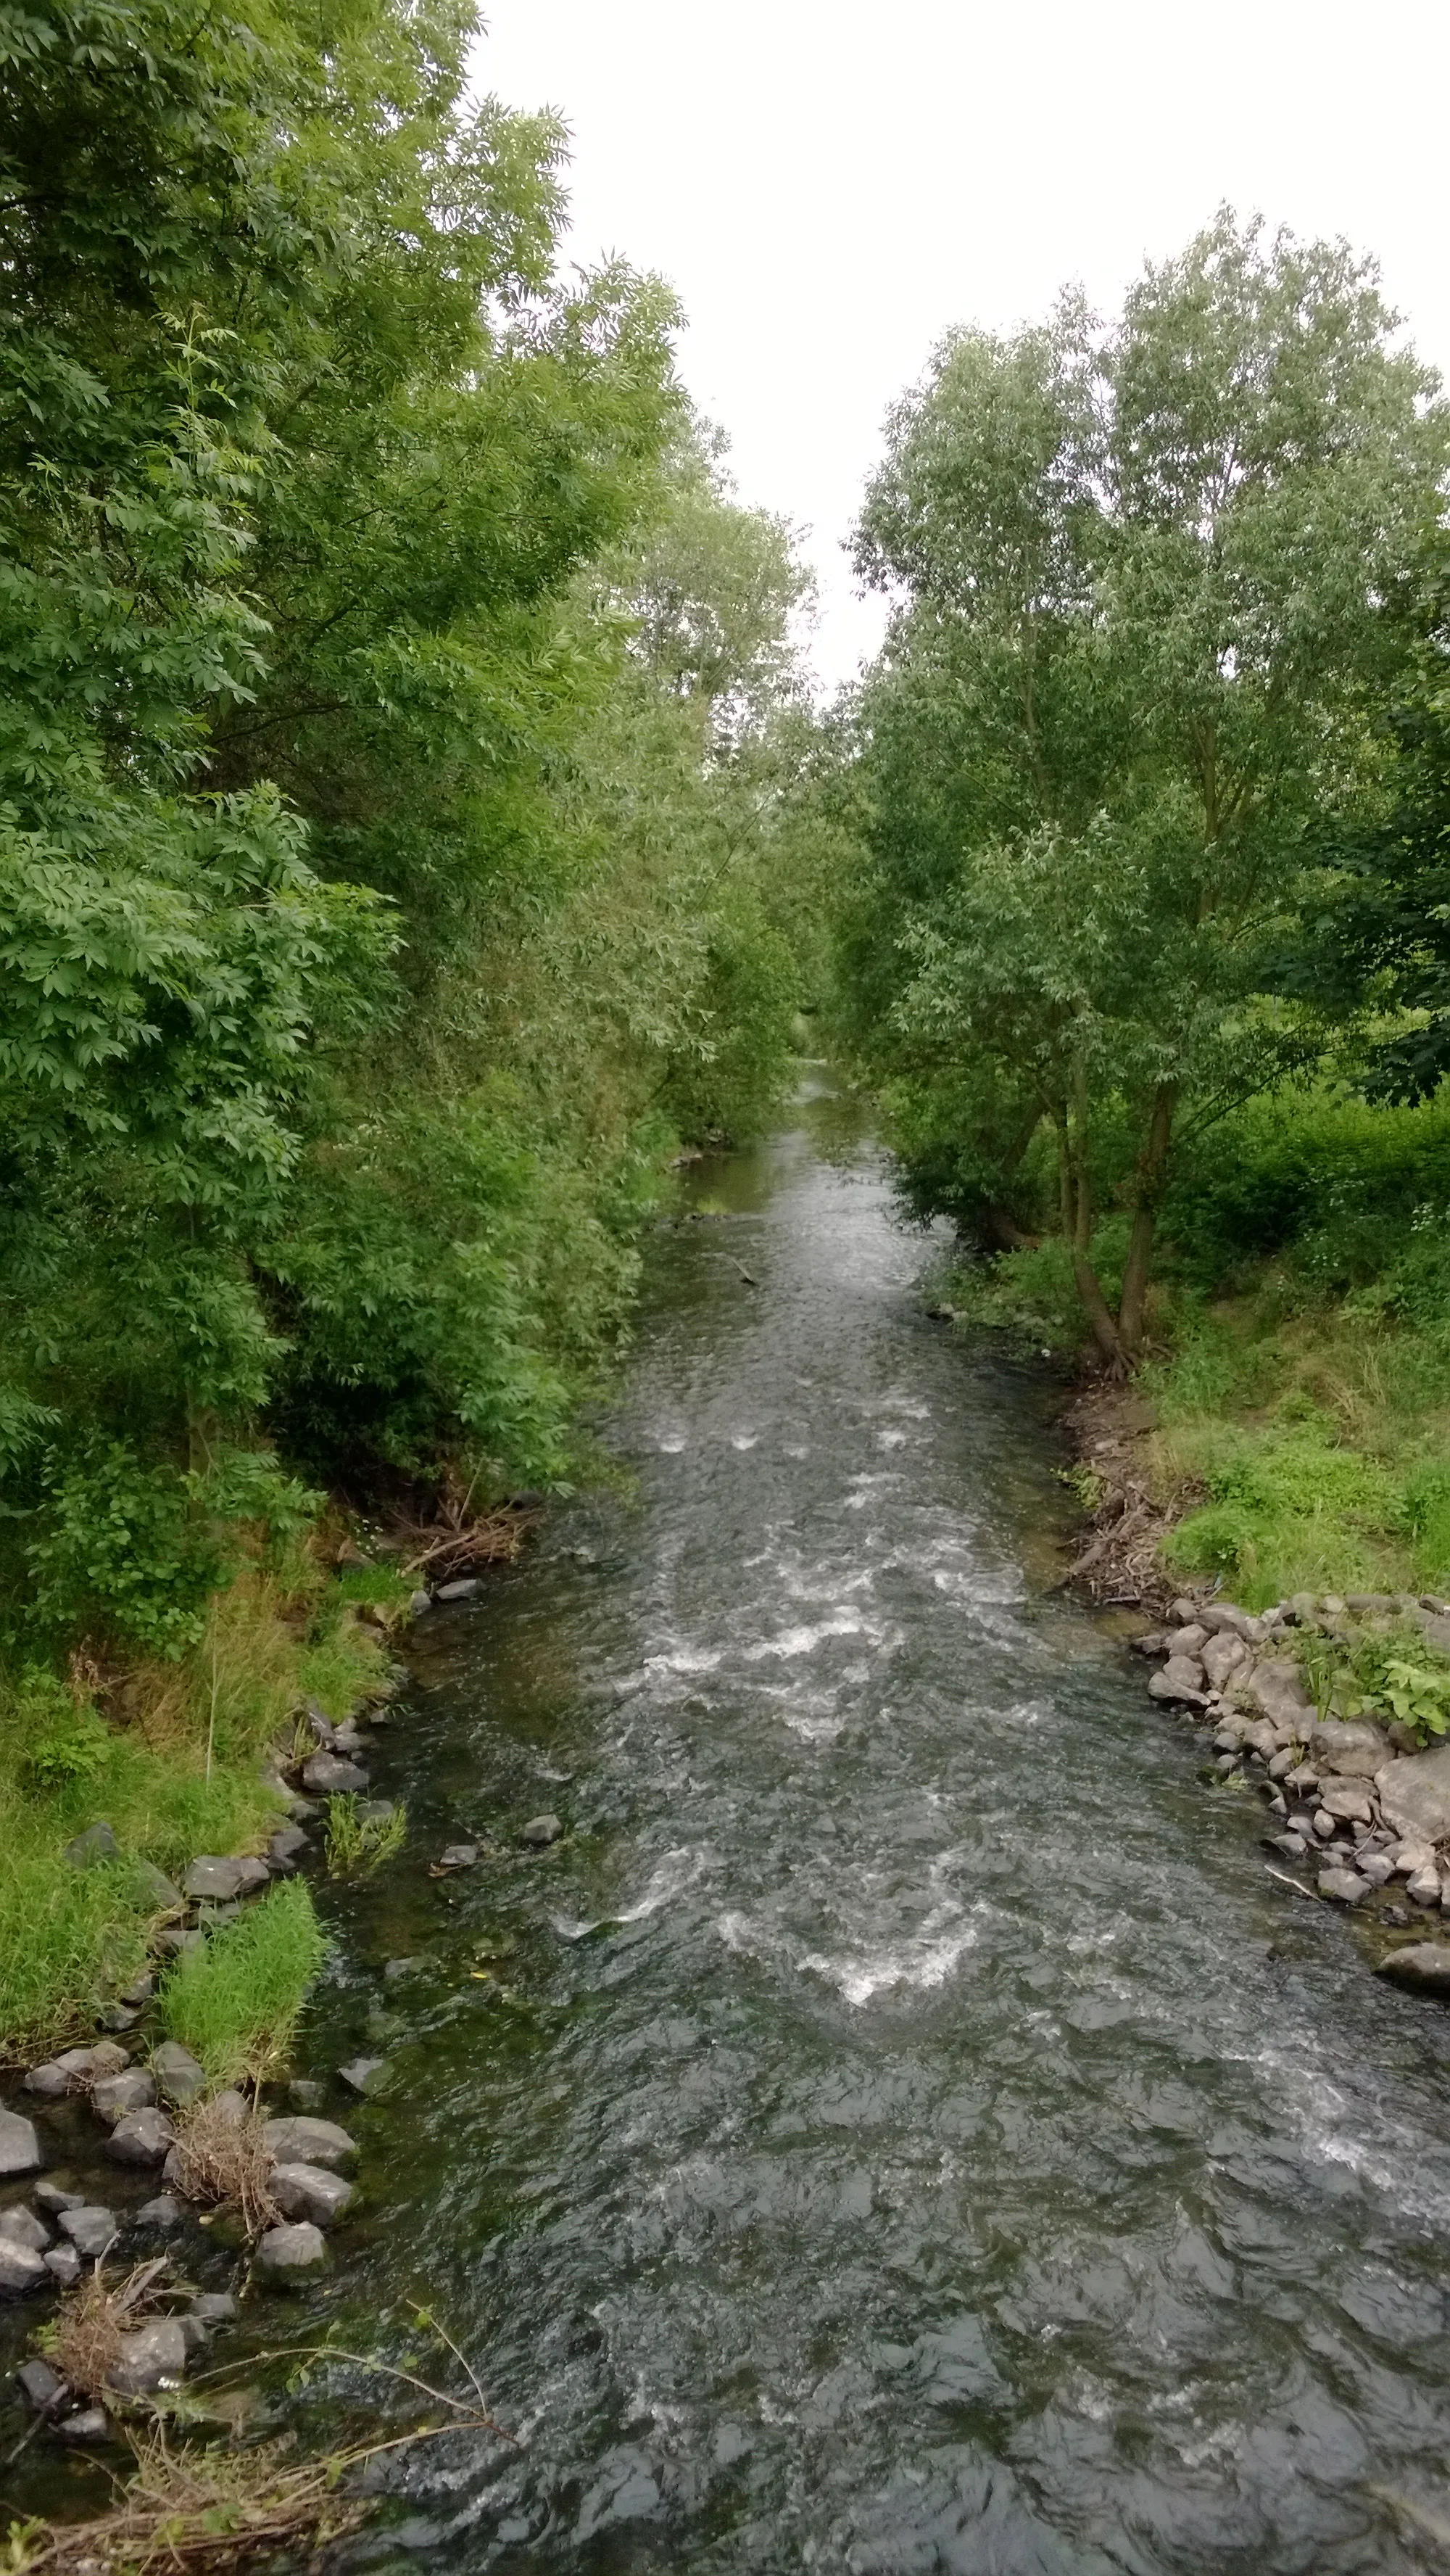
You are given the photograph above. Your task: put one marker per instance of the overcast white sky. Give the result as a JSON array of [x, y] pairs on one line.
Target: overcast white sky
[[829, 187]]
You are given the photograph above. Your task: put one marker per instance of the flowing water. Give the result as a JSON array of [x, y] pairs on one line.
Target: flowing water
[[902, 2127]]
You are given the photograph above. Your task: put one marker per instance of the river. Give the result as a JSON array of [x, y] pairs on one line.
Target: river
[[902, 2126]]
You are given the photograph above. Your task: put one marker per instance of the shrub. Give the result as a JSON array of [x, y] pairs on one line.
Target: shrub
[[236, 2002]]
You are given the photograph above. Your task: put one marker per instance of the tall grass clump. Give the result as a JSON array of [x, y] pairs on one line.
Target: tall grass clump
[[236, 2002]]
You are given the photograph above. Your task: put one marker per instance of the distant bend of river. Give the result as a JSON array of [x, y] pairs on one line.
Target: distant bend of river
[[902, 2128]]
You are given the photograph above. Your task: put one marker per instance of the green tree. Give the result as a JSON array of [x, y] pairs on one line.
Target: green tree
[[1156, 578]]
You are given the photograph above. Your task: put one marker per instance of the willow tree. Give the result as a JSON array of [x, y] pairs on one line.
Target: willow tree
[[1154, 574]]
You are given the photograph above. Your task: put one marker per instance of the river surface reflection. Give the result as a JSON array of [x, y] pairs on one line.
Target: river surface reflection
[[902, 2127]]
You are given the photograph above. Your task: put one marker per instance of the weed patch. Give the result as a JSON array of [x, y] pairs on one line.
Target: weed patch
[[357, 1844], [236, 2002]]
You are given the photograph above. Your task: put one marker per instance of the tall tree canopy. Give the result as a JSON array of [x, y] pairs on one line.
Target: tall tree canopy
[[1149, 583]]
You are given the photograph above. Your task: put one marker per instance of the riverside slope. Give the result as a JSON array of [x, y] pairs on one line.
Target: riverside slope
[[901, 2125]]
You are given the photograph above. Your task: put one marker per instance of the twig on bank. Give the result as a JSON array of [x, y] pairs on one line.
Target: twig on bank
[[1282, 1875]]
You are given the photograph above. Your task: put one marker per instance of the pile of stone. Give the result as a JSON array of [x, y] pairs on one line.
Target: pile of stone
[[1360, 1803], [49, 2235]]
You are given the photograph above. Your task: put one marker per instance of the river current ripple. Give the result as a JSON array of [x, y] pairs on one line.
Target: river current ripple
[[903, 2127]]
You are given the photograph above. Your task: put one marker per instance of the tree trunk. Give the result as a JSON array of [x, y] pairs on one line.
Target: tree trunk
[[1077, 1225], [1152, 1172]]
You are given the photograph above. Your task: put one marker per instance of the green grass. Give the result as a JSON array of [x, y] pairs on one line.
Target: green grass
[[356, 1845], [236, 2002], [70, 1938]]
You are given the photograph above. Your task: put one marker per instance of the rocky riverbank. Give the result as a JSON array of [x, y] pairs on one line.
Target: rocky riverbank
[[1359, 1804]]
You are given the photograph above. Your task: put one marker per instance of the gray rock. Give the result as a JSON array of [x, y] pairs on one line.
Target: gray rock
[[21, 2270], [231, 2106], [1181, 1679], [156, 1886], [91, 2424], [310, 2191], [331, 1775], [1275, 1687], [154, 2357], [140, 1990], [61, 2075], [178, 1942], [20, 2226], [543, 1830], [1223, 1656], [302, 2141], [1188, 1640], [286, 1848], [1415, 1795], [364, 2074], [54, 2201], [1224, 1615], [181, 2079], [461, 1590], [409, 1967], [90, 2229], [1424, 1886], [1375, 1866], [193, 2334], [63, 2264], [459, 1856], [1302, 1779], [1282, 1763], [162, 2216], [1425, 1965], [19, 2146], [1293, 1846], [115, 2095], [1412, 1854], [214, 2307], [118, 2016], [1343, 1886], [1323, 1825], [1351, 1747], [142, 2138], [418, 1602], [303, 2094], [97, 1843], [290, 2253], [43, 2386], [217, 1878], [1348, 1799]]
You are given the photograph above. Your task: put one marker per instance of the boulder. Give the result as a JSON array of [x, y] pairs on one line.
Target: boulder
[[181, 2078], [154, 2357], [290, 2253], [458, 1856], [21, 2270], [1411, 1854], [162, 2216], [63, 2264], [332, 1775], [142, 2138], [310, 2191], [97, 1843], [90, 2229], [1348, 1745], [1342, 1886], [1424, 1885], [115, 2095], [1275, 1686], [418, 1602], [217, 1878], [463, 1589], [92, 2424], [1223, 1656], [20, 2226], [1375, 1866], [43, 2386], [50, 2197], [364, 2074], [214, 2307], [1301, 1779], [1349, 1800], [308, 2142], [285, 1848], [543, 1830], [1262, 1738], [1221, 1616], [157, 1887], [1185, 1641], [61, 2075], [19, 2146], [1415, 1794], [1424, 1965]]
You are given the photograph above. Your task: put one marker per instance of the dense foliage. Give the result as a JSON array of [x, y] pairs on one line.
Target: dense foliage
[[395, 716], [1149, 776]]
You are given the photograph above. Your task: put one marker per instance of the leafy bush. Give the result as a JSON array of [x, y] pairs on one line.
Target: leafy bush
[[236, 2002]]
